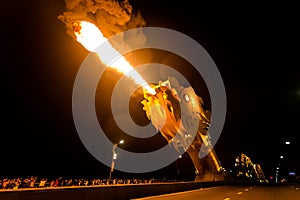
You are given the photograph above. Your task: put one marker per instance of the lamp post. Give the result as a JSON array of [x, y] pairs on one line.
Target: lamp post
[[281, 157], [114, 157]]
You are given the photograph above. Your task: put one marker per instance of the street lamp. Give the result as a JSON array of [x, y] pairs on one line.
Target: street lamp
[[281, 158], [114, 157]]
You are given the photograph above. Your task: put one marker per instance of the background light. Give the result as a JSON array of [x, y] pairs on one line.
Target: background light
[[292, 173]]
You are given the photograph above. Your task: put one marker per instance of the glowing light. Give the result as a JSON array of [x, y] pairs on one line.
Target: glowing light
[[287, 142], [187, 98], [121, 142], [89, 36], [292, 173]]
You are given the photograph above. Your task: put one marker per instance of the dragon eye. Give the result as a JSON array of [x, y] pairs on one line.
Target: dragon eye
[[186, 98]]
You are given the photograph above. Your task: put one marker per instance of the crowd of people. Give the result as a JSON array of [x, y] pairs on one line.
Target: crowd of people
[[35, 182]]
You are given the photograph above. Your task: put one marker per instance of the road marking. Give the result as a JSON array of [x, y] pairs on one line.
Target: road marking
[[239, 193], [172, 194], [246, 189], [227, 199]]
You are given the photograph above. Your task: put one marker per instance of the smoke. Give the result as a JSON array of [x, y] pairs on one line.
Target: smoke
[[110, 16]]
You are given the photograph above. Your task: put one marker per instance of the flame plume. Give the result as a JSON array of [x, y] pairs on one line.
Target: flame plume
[[89, 36]]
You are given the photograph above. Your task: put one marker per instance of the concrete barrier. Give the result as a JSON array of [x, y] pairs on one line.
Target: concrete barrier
[[119, 192]]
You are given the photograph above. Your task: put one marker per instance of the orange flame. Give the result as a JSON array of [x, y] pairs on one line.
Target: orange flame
[[91, 37]]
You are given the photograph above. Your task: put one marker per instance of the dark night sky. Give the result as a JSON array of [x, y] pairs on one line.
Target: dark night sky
[[254, 46]]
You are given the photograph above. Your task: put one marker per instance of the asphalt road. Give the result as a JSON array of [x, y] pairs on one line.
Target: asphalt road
[[277, 192]]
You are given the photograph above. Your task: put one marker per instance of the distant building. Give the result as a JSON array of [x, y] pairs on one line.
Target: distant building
[[246, 170]]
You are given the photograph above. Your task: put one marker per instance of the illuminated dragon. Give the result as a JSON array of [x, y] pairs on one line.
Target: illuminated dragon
[[178, 114]]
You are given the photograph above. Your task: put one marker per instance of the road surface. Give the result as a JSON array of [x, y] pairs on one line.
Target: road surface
[[275, 192]]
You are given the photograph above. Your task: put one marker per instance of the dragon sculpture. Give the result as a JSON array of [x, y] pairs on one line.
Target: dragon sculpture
[[178, 113]]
